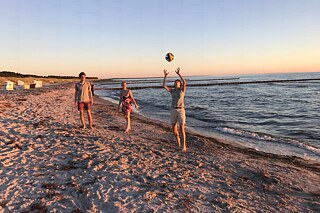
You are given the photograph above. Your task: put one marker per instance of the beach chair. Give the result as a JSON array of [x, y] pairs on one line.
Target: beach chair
[[26, 86], [20, 85], [37, 83], [7, 85]]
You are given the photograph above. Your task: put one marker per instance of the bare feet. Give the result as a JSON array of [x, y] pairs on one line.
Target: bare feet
[[83, 126], [127, 129], [184, 149], [178, 141], [91, 127]]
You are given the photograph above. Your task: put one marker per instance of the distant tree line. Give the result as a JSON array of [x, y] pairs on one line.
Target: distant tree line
[[19, 75], [68, 77]]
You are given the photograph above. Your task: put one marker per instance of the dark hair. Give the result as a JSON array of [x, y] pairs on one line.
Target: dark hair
[[177, 80], [82, 73]]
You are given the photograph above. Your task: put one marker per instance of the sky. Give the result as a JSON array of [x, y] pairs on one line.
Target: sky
[[129, 38]]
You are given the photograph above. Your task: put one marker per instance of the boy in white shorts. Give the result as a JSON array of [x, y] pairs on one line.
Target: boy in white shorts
[[177, 112]]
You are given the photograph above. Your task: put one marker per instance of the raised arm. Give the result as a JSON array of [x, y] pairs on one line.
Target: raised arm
[[184, 83], [134, 100], [166, 73]]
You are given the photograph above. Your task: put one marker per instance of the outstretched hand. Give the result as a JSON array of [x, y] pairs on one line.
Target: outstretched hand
[[165, 72], [178, 70]]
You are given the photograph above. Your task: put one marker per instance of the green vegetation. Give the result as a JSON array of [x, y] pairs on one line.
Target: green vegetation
[[17, 75]]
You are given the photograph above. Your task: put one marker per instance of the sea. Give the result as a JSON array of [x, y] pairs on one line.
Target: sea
[[275, 116]]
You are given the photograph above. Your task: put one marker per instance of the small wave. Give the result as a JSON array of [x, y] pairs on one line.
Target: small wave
[[198, 108], [110, 99], [208, 119], [269, 138]]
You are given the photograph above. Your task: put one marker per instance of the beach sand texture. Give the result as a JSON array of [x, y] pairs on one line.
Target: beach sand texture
[[48, 164]]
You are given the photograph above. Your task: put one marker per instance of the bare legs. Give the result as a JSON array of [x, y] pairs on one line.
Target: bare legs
[[89, 118], [82, 119], [127, 116], [183, 136], [176, 133]]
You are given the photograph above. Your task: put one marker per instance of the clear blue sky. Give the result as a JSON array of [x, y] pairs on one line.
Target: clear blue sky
[[129, 38]]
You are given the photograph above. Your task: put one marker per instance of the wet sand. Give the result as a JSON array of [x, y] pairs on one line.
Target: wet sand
[[47, 163]]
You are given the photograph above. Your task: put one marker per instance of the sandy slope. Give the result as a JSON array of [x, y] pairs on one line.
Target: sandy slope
[[48, 164]]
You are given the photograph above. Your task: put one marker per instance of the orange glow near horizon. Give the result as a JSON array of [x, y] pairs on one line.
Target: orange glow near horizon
[[233, 64]]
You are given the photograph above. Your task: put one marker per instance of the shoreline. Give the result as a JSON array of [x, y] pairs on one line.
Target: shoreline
[[48, 163], [232, 145], [210, 136]]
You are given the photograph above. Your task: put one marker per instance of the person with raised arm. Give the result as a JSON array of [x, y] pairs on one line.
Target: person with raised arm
[[125, 100], [177, 112]]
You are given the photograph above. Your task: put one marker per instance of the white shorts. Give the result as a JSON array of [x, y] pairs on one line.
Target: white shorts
[[178, 116]]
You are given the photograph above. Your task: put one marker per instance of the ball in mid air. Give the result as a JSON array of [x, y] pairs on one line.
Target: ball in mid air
[[169, 57]]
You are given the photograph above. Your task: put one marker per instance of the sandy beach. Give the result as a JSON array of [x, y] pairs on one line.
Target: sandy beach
[[49, 164]]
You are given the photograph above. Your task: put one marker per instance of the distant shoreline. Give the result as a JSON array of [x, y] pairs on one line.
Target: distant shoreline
[[213, 75]]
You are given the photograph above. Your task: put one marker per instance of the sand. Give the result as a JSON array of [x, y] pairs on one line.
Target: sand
[[48, 164]]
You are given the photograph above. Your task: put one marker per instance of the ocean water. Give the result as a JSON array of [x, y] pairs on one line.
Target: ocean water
[[281, 118]]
